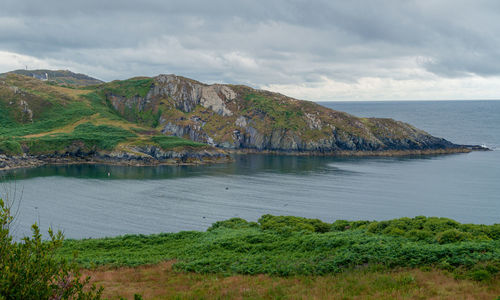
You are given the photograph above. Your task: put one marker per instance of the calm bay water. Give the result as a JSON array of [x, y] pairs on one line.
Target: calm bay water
[[83, 201]]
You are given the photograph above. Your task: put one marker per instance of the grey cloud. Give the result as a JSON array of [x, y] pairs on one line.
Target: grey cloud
[[257, 43]]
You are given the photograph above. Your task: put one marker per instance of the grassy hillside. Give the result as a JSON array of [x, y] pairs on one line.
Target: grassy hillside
[[40, 117]]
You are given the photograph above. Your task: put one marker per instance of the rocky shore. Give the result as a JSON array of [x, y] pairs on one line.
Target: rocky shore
[[152, 156], [145, 156]]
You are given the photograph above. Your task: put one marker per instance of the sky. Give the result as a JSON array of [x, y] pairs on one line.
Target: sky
[[312, 50]]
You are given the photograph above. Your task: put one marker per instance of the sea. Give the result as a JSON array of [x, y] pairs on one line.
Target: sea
[[90, 201]]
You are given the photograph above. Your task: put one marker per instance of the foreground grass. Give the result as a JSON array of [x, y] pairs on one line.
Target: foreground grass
[[162, 281]]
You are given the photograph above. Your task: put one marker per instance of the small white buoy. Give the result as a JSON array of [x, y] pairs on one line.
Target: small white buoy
[[109, 174]]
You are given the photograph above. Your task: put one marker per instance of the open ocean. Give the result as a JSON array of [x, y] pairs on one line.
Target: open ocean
[[84, 202]]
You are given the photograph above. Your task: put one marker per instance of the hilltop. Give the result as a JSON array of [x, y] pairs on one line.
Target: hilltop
[[172, 119], [61, 77]]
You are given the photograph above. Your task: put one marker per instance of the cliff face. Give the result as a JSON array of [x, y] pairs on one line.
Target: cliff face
[[239, 117]]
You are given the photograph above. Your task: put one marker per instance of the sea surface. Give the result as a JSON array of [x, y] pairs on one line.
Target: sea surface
[[83, 201]]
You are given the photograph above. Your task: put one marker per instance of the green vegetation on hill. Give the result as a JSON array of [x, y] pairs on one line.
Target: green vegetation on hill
[[37, 117], [297, 246], [89, 136], [170, 142], [129, 88], [49, 119], [93, 137], [283, 115]]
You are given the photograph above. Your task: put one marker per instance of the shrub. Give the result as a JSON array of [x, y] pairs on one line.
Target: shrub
[[10, 147], [419, 235], [233, 223], [341, 225], [29, 269], [292, 224], [451, 236], [480, 275]]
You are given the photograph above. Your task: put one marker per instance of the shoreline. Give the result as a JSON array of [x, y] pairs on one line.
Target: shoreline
[[26, 161], [33, 162], [347, 153]]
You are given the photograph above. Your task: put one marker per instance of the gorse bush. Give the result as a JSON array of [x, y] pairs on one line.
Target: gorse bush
[[30, 269]]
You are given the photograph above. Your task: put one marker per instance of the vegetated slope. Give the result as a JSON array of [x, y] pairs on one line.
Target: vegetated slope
[[284, 246], [239, 117], [132, 118], [63, 77], [54, 123]]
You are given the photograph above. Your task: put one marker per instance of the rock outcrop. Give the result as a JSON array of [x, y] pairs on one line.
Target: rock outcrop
[[239, 118]]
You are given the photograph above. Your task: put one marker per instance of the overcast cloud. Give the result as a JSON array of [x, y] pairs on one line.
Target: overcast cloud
[[315, 50]]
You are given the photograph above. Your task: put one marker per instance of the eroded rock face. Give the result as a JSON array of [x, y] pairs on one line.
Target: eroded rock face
[[187, 94], [210, 99]]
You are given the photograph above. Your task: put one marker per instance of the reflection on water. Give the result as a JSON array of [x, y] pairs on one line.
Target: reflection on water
[[85, 202], [242, 165]]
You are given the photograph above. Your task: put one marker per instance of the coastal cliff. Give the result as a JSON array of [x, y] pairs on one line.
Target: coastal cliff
[[72, 118], [242, 118]]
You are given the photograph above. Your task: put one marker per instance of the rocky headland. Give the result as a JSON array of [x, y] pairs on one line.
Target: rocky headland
[[170, 119]]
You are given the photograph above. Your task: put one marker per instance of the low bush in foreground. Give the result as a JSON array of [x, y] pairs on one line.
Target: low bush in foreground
[[297, 246], [29, 269]]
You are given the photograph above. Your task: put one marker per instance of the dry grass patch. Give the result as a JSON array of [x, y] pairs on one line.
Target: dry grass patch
[[73, 93], [95, 119], [65, 129], [161, 281]]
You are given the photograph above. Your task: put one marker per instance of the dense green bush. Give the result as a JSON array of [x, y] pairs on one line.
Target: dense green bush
[[10, 147], [292, 224], [29, 269], [430, 229], [452, 236], [233, 223], [290, 245]]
